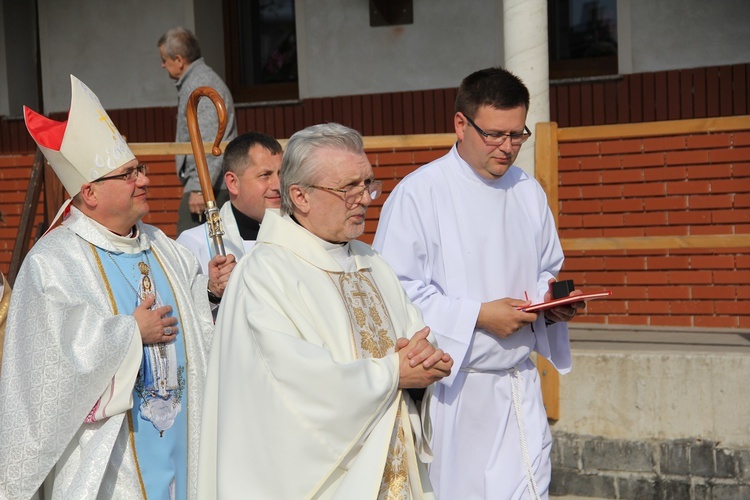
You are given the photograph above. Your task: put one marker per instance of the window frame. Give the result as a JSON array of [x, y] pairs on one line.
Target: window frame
[[248, 93], [565, 69]]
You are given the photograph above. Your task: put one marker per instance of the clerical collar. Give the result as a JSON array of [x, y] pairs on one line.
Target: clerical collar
[[470, 173], [341, 252], [248, 226], [339, 243], [125, 244]]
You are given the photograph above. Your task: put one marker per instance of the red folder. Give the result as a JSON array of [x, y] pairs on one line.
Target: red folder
[[542, 306]]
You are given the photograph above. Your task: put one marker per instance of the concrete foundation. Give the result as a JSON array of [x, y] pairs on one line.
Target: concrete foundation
[[654, 414]]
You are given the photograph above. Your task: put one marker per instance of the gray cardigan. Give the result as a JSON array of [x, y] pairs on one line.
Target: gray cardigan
[[197, 75]]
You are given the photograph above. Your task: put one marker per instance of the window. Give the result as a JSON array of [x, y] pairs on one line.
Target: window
[[261, 50], [582, 38]]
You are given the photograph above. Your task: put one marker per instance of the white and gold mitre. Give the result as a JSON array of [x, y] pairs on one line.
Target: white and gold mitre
[[83, 148]]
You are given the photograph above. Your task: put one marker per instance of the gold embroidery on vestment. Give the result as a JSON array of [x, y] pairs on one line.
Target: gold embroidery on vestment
[[377, 344], [131, 432], [367, 312], [395, 484], [131, 437], [374, 337], [375, 316], [359, 316]]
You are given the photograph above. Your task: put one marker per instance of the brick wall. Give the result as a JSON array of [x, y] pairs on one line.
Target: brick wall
[[164, 193], [686, 184], [389, 164], [14, 179]]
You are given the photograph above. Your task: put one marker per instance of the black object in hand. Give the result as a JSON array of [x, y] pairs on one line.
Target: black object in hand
[[561, 289]]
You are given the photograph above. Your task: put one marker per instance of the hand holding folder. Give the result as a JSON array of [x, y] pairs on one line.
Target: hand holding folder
[[549, 304]]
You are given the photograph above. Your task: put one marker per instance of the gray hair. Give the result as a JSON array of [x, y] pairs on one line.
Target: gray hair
[[301, 163], [180, 41]]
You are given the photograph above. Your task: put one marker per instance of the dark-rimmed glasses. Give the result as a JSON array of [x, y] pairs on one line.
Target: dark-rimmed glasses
[[499, 139], [130, 174], [354, 194]]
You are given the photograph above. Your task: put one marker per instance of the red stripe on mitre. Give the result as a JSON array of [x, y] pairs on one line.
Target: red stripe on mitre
[[47, 133]]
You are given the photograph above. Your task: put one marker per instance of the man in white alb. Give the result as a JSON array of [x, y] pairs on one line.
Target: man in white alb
[[315, 343], [471, 237], [251, 173]]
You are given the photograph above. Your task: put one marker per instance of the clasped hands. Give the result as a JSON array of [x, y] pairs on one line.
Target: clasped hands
[[421, 363]]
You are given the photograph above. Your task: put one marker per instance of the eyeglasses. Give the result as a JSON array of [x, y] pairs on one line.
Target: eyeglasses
[[499, 139], [130, 174], [354, 194]]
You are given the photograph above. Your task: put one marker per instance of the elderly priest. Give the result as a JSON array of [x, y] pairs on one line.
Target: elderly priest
[[315, 345]]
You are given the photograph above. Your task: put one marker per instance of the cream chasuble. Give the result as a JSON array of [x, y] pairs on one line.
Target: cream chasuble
[[302, 395]]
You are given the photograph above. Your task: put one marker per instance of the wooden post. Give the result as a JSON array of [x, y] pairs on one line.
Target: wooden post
[[54, 195], [21, 246], [545, 160]]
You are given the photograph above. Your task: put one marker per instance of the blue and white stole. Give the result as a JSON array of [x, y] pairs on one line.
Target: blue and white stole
[[160, 395]]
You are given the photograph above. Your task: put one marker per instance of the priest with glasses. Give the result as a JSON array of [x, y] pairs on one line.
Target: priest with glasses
[[107, 333], [316, 348]]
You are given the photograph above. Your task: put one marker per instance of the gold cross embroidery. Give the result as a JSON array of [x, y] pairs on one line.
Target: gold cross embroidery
[[359, 294], [104, 118]]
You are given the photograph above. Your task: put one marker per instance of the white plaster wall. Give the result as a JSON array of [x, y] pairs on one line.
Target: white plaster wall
[[209, 28], [17, 56], [638, 395], [688, 33], [345, 56], [110, 46], [4, 107]]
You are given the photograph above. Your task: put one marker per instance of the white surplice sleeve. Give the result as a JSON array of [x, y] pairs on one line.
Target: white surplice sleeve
[[554, 344], [195, 240]]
